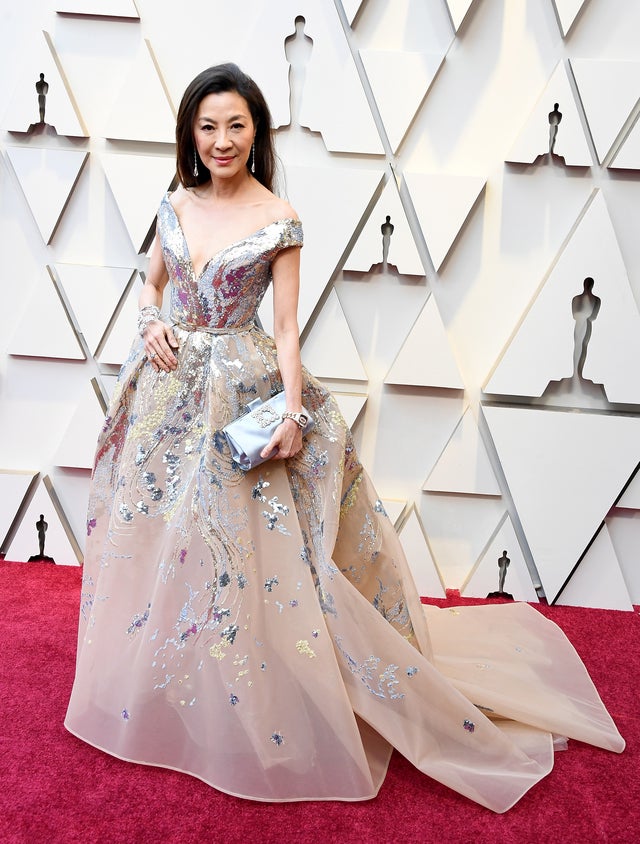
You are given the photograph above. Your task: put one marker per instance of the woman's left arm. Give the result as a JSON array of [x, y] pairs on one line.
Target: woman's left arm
[[285, 269]]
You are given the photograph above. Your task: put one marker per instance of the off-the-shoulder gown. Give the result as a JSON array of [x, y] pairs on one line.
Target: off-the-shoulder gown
[[261, 630]]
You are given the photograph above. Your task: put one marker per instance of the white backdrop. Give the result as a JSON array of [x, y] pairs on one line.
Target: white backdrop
[[454, 360]]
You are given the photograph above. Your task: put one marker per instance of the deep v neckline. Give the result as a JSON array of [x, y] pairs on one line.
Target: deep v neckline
[[219, 252]]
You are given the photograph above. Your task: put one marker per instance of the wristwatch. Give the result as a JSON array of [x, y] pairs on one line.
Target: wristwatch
[[300, 419]]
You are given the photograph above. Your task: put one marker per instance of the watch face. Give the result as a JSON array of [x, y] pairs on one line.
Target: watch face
[[303, 420]]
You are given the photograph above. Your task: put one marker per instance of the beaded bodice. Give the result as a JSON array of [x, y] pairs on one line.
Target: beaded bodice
[[231, 285]]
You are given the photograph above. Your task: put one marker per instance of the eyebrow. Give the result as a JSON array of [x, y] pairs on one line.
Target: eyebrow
[[230, 119]]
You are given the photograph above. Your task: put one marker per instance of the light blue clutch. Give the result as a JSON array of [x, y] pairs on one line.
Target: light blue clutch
[[249, 434]]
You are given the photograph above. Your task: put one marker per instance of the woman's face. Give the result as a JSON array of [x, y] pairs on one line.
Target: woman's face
[[223, 132]]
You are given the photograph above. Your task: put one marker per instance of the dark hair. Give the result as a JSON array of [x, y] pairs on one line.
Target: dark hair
[[215, 80]]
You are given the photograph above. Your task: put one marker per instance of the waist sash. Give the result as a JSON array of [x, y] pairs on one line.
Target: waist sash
[[207, 329]]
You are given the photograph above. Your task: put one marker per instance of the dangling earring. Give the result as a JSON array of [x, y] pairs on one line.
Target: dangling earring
[[253, 157], [195, 162]]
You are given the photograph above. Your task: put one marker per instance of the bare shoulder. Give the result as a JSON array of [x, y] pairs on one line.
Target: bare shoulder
[[285, 211], [179, 197], [276, 208]]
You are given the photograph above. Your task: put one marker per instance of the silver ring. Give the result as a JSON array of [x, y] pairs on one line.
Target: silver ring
[[152, 355]]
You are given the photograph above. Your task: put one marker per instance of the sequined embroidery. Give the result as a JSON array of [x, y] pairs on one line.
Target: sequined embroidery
[[381, 684], [207, 543], [303, 647]]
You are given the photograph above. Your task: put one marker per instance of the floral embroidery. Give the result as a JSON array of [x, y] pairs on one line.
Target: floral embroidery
[[381, 685]]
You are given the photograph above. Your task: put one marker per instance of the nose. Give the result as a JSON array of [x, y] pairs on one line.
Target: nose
[[222, 140]]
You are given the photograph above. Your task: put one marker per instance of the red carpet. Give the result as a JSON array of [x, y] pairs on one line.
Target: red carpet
[[57, 789]]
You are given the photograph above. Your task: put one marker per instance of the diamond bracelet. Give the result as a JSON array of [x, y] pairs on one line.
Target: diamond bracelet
[[147, 315]]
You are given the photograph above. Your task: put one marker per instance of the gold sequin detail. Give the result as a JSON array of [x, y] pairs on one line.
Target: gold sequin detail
[[302, 646]]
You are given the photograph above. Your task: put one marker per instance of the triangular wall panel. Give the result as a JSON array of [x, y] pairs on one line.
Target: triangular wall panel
[[388, 73], [14, 487], [78, 445], [337, 357], [564, 471], [425, 359], [44, 331], [459, 528], [567, 11], [628, 156], [609, 92], [464, 466], [425, 572], [142, 111], [630, 498], [47, 178], [598, 581], [442, 202], [311, 191], [345, 121], [351, 405], [533, 138], [60, 543], [624, 531], [485, 577], [93, 294], [542, 349], [61, 110], [138, 183], [351, 8], [117, 345], [458, 10], [368, 249]]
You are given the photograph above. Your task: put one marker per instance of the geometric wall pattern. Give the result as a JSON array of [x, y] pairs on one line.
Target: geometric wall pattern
[[484, 577], [567, 12], [529, 365], [22, 113], [453, 215], [534, 138], [47, 177], [550, 479]]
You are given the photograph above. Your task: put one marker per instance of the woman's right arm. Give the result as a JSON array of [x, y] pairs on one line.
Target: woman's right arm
[[158, 337]]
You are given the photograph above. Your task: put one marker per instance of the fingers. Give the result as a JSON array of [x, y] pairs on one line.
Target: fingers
[[269, 451], [158, 340], [285, 442], [171, 339], [272, 448]]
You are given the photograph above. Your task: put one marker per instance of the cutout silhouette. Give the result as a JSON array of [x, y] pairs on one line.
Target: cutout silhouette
[[42, 88], [41, 127], [297, 49], [503, 565], [41, 528], [585, 307], [555, 117], [387, 230]]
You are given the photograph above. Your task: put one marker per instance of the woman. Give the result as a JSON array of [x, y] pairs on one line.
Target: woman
[[260, 630]]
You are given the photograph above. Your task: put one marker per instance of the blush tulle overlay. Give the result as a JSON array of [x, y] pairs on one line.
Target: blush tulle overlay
[[260, 630]]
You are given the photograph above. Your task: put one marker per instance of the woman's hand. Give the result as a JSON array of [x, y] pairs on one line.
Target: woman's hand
[[285, 442], [159, 342]]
